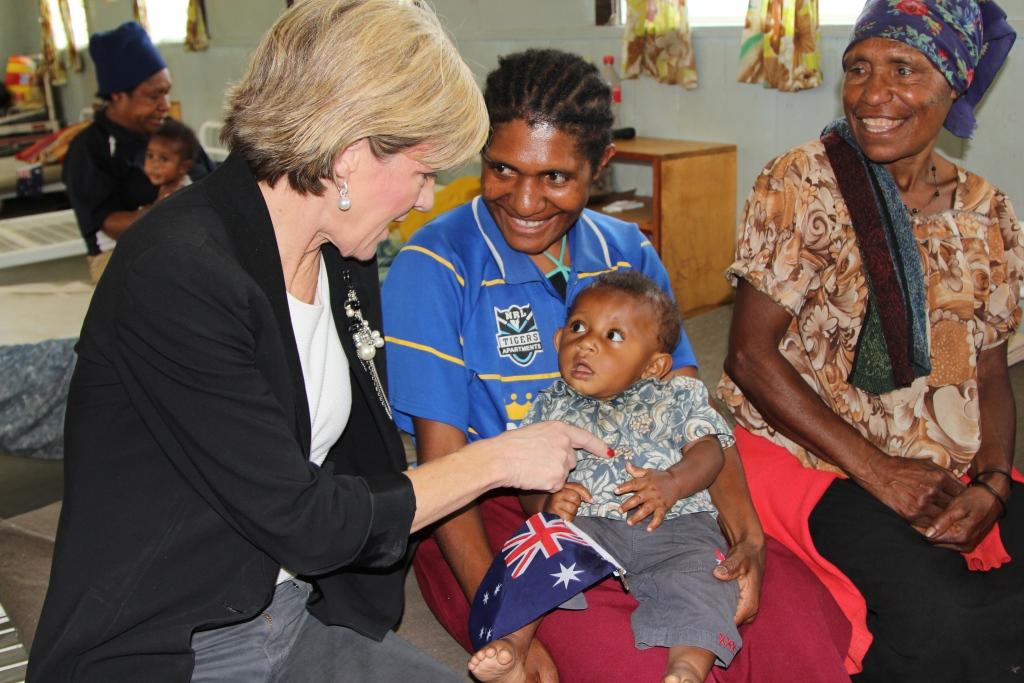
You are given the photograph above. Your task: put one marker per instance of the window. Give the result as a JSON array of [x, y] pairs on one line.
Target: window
[[609, 12], [167, 20], [79, 28], [734, 12], [716, 12], [839, 11]]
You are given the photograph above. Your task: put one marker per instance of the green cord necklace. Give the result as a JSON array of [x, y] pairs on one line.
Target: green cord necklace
[[560, 267]]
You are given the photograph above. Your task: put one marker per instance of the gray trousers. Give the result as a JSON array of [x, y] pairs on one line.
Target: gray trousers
[[286, 643]]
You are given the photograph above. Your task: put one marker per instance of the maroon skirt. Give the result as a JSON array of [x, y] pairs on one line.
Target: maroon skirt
[[799, 633]]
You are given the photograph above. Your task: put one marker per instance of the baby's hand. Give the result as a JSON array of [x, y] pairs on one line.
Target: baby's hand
[[654, 493], [566, 502]]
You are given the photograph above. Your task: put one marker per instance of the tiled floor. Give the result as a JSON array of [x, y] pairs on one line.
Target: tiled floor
[[28, 484]]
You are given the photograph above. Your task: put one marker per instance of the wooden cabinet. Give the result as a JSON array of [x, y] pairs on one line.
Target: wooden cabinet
[[691, 215]]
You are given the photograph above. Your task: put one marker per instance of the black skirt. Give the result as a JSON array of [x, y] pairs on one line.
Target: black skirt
[[932, 619]]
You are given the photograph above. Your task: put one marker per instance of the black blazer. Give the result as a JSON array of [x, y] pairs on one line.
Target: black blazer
[[187, 480]]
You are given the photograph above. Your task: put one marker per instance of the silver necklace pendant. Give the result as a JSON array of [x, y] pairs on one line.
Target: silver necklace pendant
[[366, 341]]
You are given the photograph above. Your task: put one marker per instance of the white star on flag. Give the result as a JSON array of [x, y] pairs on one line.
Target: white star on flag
[[566, 574], [545, 562]]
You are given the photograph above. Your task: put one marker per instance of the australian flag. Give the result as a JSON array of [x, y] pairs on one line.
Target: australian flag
[[546, 562]]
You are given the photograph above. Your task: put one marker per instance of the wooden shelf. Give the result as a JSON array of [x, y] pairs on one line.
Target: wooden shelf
[[691, 217], [643, 217], [644, 149]]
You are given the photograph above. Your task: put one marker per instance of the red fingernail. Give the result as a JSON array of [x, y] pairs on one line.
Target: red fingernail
[[610, 453]]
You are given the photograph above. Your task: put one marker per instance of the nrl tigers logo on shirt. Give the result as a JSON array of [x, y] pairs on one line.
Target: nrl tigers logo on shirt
[[518, 337]]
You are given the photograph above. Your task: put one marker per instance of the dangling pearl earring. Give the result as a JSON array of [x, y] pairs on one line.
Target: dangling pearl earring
[[344, 203]]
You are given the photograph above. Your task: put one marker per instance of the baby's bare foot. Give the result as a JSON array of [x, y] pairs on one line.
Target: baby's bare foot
[[498, 662], [682, 677], [688, 665]]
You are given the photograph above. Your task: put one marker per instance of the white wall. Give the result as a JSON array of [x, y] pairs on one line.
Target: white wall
[[200, 78], [762, 123]]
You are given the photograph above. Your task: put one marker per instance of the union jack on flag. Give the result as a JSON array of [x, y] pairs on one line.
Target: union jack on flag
[[542, 535], [545, 563]]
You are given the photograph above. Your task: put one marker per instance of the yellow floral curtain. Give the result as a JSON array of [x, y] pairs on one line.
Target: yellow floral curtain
[[52, 63], [658, 42], [74, 58], [139, 13], [781, 45], [197, 38]]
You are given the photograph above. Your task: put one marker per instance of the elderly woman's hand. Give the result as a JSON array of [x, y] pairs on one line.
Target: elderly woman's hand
[[965, 521], [919, 491]]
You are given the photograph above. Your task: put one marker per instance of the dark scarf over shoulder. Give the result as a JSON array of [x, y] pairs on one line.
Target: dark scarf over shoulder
[[892, 350]]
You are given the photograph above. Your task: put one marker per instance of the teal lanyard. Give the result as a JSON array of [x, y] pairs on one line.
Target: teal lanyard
[[560, 267]]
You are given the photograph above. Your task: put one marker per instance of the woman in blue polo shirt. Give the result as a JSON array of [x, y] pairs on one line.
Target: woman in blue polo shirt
[[471, 305]]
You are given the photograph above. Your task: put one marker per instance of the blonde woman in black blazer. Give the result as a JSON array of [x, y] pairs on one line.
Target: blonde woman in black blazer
[[188, 476]]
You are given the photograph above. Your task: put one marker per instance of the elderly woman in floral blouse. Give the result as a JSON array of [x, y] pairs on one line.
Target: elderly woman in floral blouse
[[877, 284]]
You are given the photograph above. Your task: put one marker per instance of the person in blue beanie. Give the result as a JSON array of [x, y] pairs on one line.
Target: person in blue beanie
[[103, 173]]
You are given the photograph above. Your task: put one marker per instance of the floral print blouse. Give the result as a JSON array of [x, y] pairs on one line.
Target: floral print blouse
[[648, 424], [797, 246]]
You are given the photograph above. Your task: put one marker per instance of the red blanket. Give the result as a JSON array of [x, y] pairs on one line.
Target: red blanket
[[785, 492]]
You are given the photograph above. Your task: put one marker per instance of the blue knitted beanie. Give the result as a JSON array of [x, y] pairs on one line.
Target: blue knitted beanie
[[124, 57]]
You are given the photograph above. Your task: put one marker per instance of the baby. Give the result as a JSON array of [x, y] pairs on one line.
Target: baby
[[169, 156], [614, 356]]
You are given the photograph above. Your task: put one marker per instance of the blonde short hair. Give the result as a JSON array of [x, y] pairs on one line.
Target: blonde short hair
[[329, 73]]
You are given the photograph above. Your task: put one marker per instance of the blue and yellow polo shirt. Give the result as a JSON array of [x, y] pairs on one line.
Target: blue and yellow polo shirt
[[470, 322]]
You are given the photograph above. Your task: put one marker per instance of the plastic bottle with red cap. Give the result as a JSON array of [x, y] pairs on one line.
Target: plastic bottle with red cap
[[611, 76]]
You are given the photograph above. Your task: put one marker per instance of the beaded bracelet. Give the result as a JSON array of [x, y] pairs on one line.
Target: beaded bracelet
[[1002, 503]]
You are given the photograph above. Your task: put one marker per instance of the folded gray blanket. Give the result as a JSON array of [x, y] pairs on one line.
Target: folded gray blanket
[[34, 381]]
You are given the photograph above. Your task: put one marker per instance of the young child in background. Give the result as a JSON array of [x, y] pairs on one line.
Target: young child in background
[[171, 151], [614, 357]]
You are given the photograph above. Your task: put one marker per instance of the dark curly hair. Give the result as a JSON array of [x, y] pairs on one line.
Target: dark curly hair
[[556, 88], [178, 132], [644, 290]]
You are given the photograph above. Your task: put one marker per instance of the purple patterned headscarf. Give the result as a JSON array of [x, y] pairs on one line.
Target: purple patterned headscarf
[[966, 40]]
